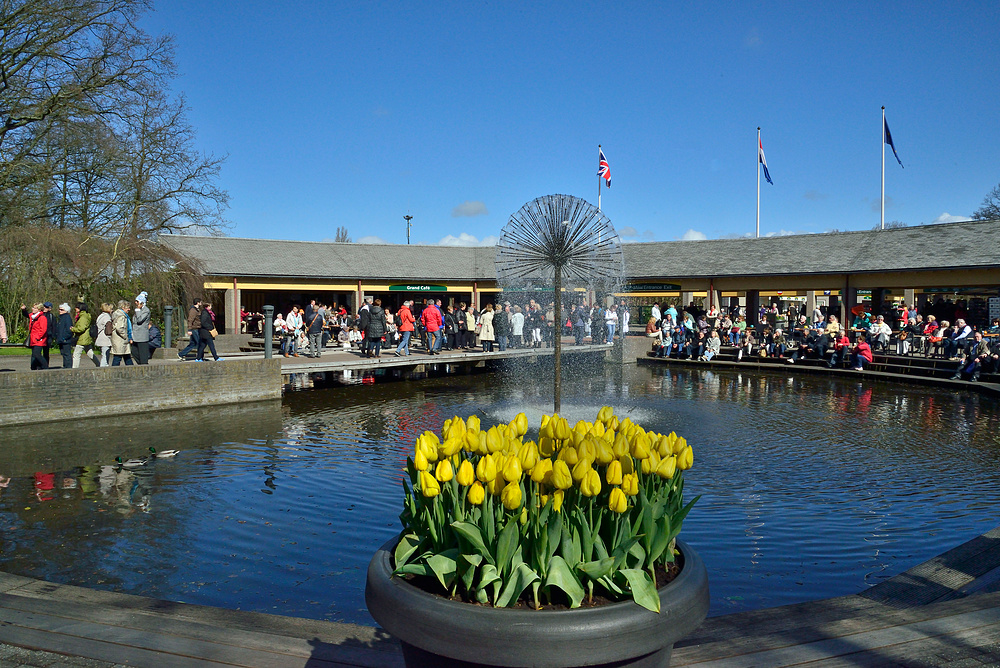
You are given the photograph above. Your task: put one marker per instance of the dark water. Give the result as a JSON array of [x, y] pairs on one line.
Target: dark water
[[811, 487]]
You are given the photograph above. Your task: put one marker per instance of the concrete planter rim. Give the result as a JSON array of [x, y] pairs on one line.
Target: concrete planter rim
[[553, 638]]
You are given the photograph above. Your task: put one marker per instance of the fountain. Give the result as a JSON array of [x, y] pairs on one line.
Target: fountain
[[559, 242]]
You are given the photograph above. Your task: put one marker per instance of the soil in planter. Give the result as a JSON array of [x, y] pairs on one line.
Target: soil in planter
[[664, 576]]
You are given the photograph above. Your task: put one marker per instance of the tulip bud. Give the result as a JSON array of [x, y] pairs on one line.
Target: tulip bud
[[628, 464], [471, 439], [614, 423], [511, 496], [620, 447], [617, 501], [472, 424], [444, 472], [604, 453], [557, 499], [563, 431], [545, 430], [527, 454], [494, 440], [429, 487], [569, 455], [486, 469], [581, 469], [546, 447], [640, 446], [561, 477], [679, 444], [420, 460], [466, 474], [451, 446], [476, 494], [667, 467], [599, 429], [496, 485], [686, 458], [650, 463], [630, 484], [587, 450], [613, 475], [591, 484], [512, 470], [483, 449], [541, 470]]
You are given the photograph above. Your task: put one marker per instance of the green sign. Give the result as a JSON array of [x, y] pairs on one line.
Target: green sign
[[416, 287], [651, 287]]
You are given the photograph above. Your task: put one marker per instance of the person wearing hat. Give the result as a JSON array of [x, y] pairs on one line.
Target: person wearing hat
[[65, 337], [140, 330]]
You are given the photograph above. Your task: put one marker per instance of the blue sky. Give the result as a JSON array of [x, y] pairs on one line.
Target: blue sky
[[353, 114]]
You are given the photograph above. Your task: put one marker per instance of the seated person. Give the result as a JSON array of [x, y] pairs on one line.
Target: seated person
[[713, 346], [958, 341], [879, 333], [862, 353], [678, 344], [841, 347], [750, 341], [800, 330], [979, 356], [779, 344], [699, 341]]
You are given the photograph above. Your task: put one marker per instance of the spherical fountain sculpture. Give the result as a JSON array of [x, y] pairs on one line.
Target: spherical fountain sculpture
[[559, 242]]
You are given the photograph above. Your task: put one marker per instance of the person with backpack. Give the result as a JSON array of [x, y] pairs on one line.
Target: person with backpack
[[103, 338], [315, 320], [86, 331], [121, 335]]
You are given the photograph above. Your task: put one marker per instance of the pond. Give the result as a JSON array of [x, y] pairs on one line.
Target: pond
[[810, 487]]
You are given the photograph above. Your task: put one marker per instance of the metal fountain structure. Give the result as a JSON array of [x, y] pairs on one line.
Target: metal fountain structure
[[559, 242]]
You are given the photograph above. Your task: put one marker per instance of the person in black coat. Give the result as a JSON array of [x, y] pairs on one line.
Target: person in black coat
[[64, 335], [374, 329]]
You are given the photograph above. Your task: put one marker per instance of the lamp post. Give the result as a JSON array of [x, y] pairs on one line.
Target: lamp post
[[408, 218]]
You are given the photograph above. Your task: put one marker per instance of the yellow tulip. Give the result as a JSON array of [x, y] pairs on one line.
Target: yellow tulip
[[486, 469], [605, 413], [587, 450], [457, 428], [541, 470], [576, 438], [546, 446], [471, 439], [628, 464], [512, 470], [466, 474], [649, 464], [494, 440], [545, 430], [620, 447], [483, 448], [429, 487], [476, 494], [511, 496], [581, 469], [561, 477], [679, 444], [519, 425], [667, 467], [599, 429], [472, 424], [591, 484], [685, 459], [605, 455], [613, 475], [640, 446], [420, 460], [524, 516], [617, 501], [614, 424], [557, 499], [496, 485], [663, 446], [451, 446], [582, 426], [562, 429], [528, 455], [630, 484], [444, 472], [569, 455]]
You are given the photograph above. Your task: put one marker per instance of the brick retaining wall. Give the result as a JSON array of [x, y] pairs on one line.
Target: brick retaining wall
[[29, 396]]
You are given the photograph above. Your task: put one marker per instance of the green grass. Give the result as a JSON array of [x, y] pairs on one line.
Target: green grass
[[16, 350]]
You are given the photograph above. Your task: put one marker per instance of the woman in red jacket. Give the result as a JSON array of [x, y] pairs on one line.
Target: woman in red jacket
[[38, 337], [406, 320], [862, 353]]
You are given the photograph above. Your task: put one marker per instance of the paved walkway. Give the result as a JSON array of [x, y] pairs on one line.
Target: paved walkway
[[944, 612]]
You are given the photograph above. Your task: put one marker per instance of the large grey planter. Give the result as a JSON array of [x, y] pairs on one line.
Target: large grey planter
[[441, 633]]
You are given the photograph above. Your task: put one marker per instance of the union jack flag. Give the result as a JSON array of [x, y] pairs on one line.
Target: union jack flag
[[603, 168]]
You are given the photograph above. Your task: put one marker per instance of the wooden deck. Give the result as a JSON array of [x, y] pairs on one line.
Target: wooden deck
[[944, 612]]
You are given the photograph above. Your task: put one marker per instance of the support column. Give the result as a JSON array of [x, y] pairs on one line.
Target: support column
[[168, 312], [268, 331], [753, 309], [810, 302], [686, 298], [230, 306], [910, 297], [848, 300]]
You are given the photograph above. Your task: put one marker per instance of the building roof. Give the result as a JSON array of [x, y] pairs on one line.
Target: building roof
[[926, 247]]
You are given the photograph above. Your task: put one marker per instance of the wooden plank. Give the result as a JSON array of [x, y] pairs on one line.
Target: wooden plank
[[847, 645], [222, 645]]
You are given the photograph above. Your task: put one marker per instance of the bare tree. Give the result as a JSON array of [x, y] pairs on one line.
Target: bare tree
[[990, 208], [342, 236]]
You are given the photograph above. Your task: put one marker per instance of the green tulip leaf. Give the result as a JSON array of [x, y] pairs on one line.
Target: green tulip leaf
[[570, 544], [416, 568], [405, 548], [467, 565], [661, 539], [471, 533], [506, 545], [488, 575], [643, 590], [519, 579], [595, 570], [554, 534], [562, 577], [444, 567]]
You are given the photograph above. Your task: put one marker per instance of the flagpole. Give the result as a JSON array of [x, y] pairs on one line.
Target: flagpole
[[598, 180], [882, 203], [758, 182]]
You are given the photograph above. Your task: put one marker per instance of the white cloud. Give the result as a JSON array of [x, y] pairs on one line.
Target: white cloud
[[628, 231], [693, 235], [371, 240], [469, 208], [781, 233], [948, 218], [465, 239]]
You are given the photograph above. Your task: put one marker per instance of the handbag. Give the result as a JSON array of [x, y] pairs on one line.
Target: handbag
[[214, 333]]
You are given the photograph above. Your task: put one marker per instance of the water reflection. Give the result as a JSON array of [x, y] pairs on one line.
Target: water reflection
[[811, 486]]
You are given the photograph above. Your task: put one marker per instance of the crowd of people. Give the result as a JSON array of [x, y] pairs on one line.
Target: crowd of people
[[431, 326], [697, 334], [111, 338]]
